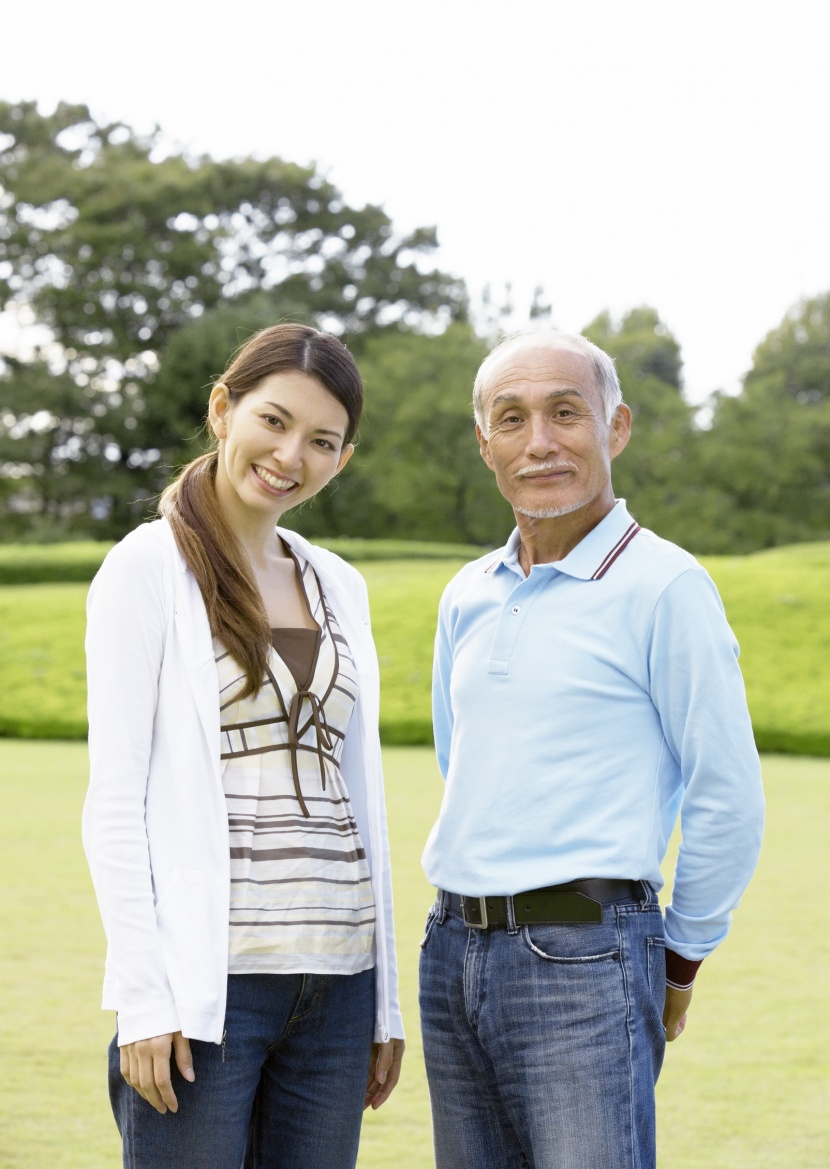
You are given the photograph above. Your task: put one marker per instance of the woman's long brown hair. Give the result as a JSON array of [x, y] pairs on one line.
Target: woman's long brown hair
[[212, 552]]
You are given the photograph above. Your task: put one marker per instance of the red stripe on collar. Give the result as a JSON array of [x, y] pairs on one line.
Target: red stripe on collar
[[616, 551]]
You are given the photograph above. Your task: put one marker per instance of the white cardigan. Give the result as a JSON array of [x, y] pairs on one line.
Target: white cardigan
[[155, 822]]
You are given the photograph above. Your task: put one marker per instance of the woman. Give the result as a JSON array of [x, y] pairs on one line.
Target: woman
[[235, 824]]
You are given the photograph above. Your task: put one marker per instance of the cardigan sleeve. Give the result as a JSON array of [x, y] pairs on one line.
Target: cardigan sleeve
[[127, 616]]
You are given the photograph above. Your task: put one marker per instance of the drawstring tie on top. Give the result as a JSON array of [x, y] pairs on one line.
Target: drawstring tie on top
[[322, 735]]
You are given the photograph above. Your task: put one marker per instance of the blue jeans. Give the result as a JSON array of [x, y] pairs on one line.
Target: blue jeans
[[285, 1089], [543, 1043]]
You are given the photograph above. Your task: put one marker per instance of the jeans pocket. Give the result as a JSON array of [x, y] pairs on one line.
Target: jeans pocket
[[573, 944], [430, 922], [657, 970]]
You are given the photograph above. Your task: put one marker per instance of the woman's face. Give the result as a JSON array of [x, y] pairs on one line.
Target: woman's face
[[279, 444]]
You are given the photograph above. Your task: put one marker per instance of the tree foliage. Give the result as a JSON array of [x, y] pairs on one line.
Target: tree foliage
[[417, 472], [767, 455], [147, 269], [657, 473], [115, 247]]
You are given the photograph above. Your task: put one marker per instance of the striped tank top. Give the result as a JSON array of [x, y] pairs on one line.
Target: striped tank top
[[301, 895]]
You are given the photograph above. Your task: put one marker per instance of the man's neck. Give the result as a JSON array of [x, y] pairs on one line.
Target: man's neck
[[546, 540]]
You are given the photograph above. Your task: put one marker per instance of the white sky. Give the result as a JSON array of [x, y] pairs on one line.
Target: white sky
[[618, 152]]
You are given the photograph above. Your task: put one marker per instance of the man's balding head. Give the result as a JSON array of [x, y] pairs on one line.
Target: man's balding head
[[605, 374]]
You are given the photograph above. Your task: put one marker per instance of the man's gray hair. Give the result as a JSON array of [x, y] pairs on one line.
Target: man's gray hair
[[605, 372]]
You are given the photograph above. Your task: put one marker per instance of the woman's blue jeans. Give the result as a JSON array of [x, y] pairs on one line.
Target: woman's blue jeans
[[285, 1090], [543, 1043]]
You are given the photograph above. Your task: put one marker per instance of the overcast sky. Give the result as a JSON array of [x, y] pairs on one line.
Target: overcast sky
[[618, 152]]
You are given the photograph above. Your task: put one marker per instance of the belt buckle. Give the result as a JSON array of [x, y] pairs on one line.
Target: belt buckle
[[482, 909]]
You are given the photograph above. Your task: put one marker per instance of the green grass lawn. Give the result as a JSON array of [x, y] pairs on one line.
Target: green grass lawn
[[776, 601], [745, 1088]]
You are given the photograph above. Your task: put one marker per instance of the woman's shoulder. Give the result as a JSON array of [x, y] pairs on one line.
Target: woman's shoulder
[[148, 550]]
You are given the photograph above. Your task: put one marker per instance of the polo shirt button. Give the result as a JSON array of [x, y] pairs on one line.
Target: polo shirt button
[[516, 609]]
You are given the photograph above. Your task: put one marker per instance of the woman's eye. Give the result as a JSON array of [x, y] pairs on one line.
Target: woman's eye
[[324, 444], [272, 419]]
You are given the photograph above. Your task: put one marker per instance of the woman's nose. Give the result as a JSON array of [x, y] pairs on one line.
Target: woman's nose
[[288, 451]]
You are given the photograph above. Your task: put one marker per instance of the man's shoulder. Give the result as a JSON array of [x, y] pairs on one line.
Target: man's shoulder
[[653, 564], [655, 551], [475, 570]]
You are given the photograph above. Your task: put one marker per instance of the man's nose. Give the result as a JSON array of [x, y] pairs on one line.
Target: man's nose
[[542, 437]]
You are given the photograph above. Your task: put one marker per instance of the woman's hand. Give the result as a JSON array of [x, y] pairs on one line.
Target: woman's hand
[[145, 1065], [384, 1071]]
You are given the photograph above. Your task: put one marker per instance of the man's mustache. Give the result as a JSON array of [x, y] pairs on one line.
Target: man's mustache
[[523, 472]]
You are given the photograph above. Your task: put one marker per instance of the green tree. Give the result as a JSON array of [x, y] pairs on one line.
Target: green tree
[[116, 246], [417, 472], [56, 460], [767, 454], [659, 472]]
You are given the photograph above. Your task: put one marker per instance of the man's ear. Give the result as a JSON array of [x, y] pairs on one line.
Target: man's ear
[[620, 430], [219, 404], [483, 446]]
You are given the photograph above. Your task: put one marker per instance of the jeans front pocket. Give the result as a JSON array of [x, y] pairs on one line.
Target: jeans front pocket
[[573, 943], [430, 922], [657, 970]]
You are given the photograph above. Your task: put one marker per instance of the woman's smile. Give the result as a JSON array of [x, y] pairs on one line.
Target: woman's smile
[[275, 482]]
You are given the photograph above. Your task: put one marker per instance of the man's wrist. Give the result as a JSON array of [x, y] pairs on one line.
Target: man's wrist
[[680, 971]]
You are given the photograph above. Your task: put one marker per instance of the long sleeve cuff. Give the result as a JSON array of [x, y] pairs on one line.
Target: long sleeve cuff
[[680, 972]]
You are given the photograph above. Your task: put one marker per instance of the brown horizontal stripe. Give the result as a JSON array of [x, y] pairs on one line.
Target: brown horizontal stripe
[[322, 799], [275, 854], [316, 907], [310, 748], [352, 925], [271, 720], [276, 823], [303, 881]]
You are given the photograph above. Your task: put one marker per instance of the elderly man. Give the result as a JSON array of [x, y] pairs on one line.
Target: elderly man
[[586, 692]]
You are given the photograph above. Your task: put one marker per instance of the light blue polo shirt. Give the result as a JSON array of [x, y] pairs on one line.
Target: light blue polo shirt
[[577, 711]]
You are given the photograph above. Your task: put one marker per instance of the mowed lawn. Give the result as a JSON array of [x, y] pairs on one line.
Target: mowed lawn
[[745, 1088], [776, 602]]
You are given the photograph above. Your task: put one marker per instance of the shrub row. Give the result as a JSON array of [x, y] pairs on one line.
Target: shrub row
[[78, 562], [776, 602]]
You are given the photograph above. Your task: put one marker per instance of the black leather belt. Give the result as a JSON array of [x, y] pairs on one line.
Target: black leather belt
[[575, 901]]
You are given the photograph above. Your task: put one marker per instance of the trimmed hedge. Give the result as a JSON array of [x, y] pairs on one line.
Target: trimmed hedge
[[776, 602], [51, 563], [78, 562]]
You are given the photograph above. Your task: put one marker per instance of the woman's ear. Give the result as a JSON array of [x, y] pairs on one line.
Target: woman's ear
[[218, 405], [345, 454]]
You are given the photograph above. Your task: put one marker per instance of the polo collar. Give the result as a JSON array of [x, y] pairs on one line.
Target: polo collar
[[593, 555]]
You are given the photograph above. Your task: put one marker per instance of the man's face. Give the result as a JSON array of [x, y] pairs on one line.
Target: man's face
[[547, 439]]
